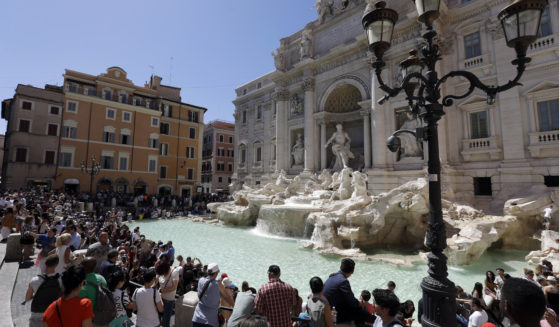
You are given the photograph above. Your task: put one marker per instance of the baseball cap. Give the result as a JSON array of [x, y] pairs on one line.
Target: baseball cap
[[224, 275], [213, 268]]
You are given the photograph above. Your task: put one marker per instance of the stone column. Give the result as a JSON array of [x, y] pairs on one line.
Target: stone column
[[281, 97], [322, 144], [308, 87], [366, 136], [378, 125]]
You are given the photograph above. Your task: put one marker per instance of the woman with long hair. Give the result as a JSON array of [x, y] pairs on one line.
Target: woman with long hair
[[122, 300], [490, 291], [63, 252]]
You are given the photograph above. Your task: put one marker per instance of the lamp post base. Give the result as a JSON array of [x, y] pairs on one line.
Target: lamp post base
[[439, 296]]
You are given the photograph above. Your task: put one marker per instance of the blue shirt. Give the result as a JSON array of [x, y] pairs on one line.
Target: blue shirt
[[76, 241], [47, 243], [206, 309], [171, 253]]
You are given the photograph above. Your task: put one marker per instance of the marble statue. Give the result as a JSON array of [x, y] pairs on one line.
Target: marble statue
[[345, 189], [410, 147], [325, 178], [322, 9], [359, 183], [306, 44], [280, 59], [296, 105], [298, 151], [340, 148]]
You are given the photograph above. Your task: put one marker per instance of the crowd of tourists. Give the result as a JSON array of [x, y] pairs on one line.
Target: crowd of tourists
[[95, 271]]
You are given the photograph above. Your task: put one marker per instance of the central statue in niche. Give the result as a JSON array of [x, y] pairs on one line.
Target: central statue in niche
[[340, 148]]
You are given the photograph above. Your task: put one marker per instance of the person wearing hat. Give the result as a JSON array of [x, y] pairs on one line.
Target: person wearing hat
[[275, 299], [551, 293], [209, 291], [337, 291]]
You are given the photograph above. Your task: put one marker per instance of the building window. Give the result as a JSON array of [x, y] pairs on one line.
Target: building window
[[91, 92], [154, 122], [259, 85], [110, 114], [152, 165], [220, 166], [244, 117], [551, 181], [26, 105], [49, 157], [126, 116], [123, 98], [164, 150], [54, 110], [167, 110], [109, 137], [193, 116], [482, 186], [107, 162], [71, 106], [220, 180], [21, 154], [163, 172], [192, 133], [229, 180], [189, 152], [259, 112], [164, 128], [125, 139], [230, 167], [258, 157], [243, 155], [478, 125], [123, 163], [221, 138], [108, 94], [69, 132], [153, 143], [472, 45], [545, 24], [73, 88], [65, 159], [231, 139], [548, 113], [190, 173], [52, 130], [24, 125]]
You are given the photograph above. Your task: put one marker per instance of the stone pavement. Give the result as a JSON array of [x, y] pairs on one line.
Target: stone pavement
[[21, 313]]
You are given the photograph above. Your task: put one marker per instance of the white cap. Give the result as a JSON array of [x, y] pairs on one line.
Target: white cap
[[213, 268], [226, 282]]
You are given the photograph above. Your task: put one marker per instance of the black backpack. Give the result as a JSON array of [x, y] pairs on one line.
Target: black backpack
[[48, 292], [104, 308]]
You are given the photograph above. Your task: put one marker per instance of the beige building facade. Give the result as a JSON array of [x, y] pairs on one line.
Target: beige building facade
[[32, 136]]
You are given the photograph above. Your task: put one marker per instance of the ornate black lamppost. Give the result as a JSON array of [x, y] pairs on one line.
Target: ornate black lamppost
[[520, 22], [92, 170]]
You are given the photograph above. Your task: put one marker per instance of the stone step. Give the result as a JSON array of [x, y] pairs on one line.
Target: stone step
[[8, 274]]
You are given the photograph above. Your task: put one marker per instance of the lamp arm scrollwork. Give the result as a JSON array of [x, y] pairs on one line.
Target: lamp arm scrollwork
[[392, 92], [475, 82]]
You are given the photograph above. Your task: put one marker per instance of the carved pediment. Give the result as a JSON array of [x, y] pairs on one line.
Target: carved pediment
[[474, 101], [543, 87]]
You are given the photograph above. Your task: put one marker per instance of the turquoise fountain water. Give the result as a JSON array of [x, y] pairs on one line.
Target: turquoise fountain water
[[245, 254]]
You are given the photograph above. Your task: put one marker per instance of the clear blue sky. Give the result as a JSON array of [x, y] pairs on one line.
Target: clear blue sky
[[216, 45]]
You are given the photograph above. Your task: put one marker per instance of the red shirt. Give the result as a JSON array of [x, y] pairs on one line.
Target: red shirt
[[72, 312], [275, 300]]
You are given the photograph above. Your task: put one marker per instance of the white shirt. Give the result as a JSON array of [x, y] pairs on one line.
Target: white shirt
[[165, 282], [380, 323], [121, 302], [147, 312], [547, 212], [477, 318]]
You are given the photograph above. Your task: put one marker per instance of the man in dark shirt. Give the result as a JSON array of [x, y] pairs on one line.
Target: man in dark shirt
[[337, 291], [109, 266]]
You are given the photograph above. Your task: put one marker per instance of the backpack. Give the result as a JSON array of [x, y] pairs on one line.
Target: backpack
[[105, 308], [48, 292]]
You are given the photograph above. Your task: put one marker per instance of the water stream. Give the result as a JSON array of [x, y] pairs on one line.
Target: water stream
[[245, 254]]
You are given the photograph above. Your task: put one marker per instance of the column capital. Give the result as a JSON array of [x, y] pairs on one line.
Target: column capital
[[308, 84], [280, 94]]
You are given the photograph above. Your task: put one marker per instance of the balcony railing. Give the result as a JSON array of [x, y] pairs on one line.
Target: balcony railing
[[113, 97], [544, 144], [487, 146], [542, 43]]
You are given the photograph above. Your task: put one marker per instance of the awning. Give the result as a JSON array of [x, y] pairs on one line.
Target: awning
[[72, 181]]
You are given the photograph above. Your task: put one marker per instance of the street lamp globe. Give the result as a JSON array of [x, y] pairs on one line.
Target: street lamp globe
[[428, 10], [379, 25], [411, 64], [521, 21]]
